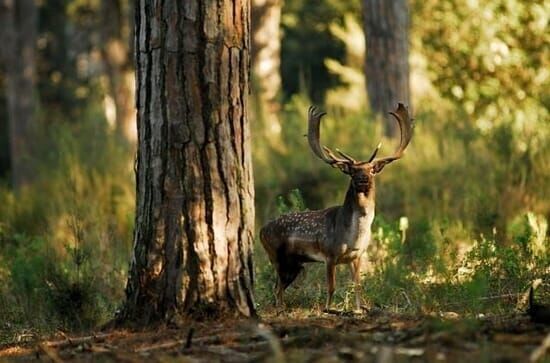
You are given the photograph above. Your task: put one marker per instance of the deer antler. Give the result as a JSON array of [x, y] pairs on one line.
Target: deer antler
[[373, 155], [401, 114], [313, 135], [406, 126]]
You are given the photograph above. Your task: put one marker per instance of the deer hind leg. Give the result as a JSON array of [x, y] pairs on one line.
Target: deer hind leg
[[287, 271], [331, 282], [279, 289], [355, 267]]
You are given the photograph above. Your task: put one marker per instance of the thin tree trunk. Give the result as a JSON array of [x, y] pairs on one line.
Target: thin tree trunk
[[386, 26], [117, 60], [266, 50], [18, 19], [193, 235], [266, 63]]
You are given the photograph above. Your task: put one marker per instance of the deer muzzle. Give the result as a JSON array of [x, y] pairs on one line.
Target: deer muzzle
[[362, 184]]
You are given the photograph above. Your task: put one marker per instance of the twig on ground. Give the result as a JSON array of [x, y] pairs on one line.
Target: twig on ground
[[78, 340]]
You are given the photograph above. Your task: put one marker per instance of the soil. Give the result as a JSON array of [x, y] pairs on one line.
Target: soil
[[380, 337]]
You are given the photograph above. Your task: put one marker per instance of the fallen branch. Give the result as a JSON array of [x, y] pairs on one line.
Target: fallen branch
[[78, 340]]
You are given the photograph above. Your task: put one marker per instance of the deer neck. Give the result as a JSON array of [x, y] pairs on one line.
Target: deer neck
[[358, 203], [353, 223]]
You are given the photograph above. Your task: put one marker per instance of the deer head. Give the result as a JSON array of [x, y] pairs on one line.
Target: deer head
[[361, 172]]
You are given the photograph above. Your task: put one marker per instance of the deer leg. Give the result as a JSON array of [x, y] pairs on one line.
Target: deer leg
[[331, 282], [279, 289], [279, 294], [355, 267]]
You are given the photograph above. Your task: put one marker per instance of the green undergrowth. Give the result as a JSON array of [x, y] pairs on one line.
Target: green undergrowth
[[65, 238], [430, 275]]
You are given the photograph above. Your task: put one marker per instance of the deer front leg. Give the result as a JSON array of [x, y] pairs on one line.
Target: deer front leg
[[331, 282], [355, 267]]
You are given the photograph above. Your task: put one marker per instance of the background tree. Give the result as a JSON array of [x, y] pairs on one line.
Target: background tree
[[307, 41], [69, 63], [266, 51], [18, 20], [266, 64], [194, 219], [386, 26], [116, 51]]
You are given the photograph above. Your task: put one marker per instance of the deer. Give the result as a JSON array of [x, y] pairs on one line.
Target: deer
[[339, 234]]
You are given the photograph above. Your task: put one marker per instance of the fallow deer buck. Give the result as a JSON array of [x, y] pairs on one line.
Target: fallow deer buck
[[334, 235]]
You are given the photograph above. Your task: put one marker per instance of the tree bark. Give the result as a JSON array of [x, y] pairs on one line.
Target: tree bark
[[117, 58], [193, 234], [386, 26], [18, 19]]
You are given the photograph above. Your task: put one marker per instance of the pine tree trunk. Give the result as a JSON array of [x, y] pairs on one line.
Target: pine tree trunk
[[266, 64], [193, 235], [386, 26], [117, 60], [18, 19], [266, 50]]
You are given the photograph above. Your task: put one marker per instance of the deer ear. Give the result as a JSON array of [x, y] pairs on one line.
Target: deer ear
[[379, 166], [344, 168]]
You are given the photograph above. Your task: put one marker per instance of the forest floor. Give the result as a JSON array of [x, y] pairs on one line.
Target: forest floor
[[298, 336]]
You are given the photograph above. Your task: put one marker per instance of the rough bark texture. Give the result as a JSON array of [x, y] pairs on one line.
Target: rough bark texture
[[386, 26], [18, 33], [117, 59], [193, 235]]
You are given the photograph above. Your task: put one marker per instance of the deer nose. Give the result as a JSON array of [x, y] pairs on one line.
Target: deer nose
[[362, 182], [361, 179]]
